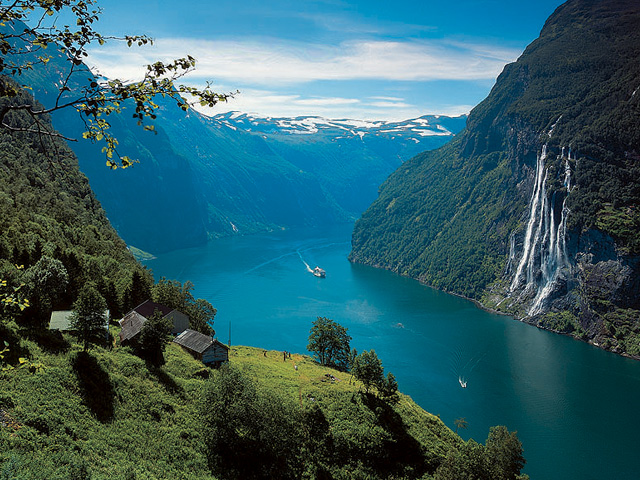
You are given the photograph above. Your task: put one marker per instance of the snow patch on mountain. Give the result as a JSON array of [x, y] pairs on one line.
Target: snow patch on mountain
[[413, 129]]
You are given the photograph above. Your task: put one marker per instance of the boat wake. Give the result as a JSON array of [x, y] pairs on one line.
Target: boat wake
[[309, 269], [318, 272], [463, 365]]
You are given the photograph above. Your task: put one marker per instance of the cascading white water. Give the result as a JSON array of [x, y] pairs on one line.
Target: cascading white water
[[535, 206], [544, 253], [512, 254]]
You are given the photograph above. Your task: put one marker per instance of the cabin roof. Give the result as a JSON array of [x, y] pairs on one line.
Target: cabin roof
[[147, 308], [61, 320], [196, 341], [131, 325]]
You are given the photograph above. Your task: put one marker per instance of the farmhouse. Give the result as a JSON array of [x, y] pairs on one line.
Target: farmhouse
[[61, 320], [132, 322], [206, 349]]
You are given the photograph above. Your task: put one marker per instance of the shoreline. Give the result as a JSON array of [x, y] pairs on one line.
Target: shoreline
[[481, 306]]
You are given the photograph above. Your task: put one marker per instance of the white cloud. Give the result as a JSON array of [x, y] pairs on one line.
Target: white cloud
[[286, 63], [326, 101], [387, 99], [390, 104], [276, 78]]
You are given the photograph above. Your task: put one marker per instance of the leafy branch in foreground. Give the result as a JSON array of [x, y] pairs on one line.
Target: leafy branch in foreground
[[22, 47]]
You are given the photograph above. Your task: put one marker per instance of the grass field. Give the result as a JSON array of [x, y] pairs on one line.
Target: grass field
[[109, 414]]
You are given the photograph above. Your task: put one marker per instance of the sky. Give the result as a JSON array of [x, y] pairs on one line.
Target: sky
[[369, 60]]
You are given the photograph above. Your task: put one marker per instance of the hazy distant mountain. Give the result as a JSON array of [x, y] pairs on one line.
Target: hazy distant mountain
[[416, 130], [259, 173], [202, 177], [535, 208]]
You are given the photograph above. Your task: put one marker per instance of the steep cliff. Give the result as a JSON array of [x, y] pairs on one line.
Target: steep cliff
[[534, 209], [53, 228]]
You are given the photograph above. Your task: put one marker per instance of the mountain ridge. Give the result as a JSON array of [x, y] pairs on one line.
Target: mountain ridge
[[205, 180], [425, 125], [533, 209]]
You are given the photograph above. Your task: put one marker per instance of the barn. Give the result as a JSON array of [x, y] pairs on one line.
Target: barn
[[206, 349], [132, 322]]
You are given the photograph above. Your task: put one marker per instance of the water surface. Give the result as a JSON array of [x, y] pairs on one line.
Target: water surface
[[574, 406]]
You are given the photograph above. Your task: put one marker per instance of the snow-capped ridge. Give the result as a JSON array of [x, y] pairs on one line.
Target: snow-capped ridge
[[413, 129]]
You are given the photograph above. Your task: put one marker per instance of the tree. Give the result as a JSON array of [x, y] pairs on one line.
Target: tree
[[154, 336], [201, 315], [468, 462], [504, 453], [250, 433], [88, 316], [367, 368], [500, 459], [388, 388], [11, 299], [173, 294], [330, 343], [137, 290], [28, 27], [461, 423], [178, 295], [45, 282]]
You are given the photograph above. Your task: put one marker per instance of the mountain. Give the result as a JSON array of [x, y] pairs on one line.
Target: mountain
[[416, 130], [53, 228], [534, 209], [271, 173], [200, 177]]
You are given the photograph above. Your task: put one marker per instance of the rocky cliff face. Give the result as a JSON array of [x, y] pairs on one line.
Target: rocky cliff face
[[535, 209]]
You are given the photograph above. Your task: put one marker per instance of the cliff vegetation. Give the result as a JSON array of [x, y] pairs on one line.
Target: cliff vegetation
[[533, 210]]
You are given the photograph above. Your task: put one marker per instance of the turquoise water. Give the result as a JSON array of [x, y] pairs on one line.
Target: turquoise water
[[574, 406]]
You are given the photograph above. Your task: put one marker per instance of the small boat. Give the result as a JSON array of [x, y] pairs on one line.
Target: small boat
[[463, 383], [318, 272]]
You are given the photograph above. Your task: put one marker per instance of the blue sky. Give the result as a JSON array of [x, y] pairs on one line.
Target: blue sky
[[370, 60]]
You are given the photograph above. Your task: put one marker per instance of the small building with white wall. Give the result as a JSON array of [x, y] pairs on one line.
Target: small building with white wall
[[209, 351]]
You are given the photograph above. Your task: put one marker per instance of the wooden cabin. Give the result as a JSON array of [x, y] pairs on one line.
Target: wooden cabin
[[61, 320], [206, 349], [132, 322]]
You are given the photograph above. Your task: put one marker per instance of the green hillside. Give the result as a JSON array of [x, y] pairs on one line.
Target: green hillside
[[108, 414], [53, 228]]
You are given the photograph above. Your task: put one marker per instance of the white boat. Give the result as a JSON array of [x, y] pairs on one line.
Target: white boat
[[318, 272], [463, 383]]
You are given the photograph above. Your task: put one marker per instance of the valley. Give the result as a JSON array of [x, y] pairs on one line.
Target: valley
[[439, 242]]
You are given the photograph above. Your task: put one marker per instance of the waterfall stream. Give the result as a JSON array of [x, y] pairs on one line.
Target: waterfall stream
[[544, 252]]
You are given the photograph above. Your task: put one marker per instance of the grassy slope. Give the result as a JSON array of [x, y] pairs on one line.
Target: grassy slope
[[309, 381], [113, 415]]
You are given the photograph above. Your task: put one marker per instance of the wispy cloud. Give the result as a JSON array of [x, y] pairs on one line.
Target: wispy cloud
[[326, 101], [287, 78], [286, 63], [387, 99], [390, 104], [354, 24]]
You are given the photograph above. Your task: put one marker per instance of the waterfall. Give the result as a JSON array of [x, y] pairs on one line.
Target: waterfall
[[512, 253], [534, 208], [544, 255]]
